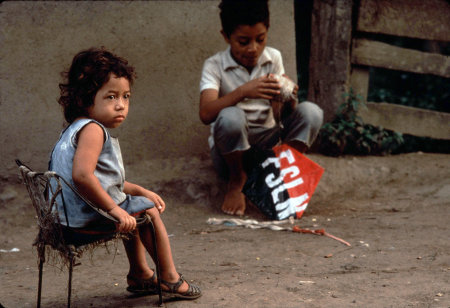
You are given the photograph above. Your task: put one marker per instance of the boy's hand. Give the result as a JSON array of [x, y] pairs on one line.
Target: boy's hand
[[262, 87], [126, 223], [295, 91], [294, 102]]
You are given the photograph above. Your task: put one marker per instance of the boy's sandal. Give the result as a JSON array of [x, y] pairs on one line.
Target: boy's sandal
[[143, 286], [192, 292]]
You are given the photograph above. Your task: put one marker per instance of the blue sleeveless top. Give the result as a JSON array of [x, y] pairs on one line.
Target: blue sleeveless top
[[109, 171]]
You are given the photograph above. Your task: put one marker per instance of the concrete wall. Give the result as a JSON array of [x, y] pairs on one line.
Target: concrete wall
[[167, 42]]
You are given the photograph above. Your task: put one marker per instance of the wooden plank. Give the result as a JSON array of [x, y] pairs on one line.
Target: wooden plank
[[408, 120], [372, 53], [427, 20]]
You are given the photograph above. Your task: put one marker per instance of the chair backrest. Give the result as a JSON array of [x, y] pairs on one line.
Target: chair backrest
[[37, 184]]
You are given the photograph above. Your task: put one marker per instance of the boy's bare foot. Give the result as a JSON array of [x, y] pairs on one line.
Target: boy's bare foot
[[234, 202]]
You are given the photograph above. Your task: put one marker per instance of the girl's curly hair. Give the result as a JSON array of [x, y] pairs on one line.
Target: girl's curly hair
[[89, 71]]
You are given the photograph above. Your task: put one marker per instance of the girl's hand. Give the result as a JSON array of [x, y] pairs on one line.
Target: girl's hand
[[262, 87], [157, 200], [136, 190], [126, 223]]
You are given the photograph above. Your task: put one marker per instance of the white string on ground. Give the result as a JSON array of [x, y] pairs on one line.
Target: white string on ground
[[250, 223], [272, 225]]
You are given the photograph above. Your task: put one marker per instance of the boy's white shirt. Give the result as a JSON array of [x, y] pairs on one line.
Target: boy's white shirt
[[222, 73]]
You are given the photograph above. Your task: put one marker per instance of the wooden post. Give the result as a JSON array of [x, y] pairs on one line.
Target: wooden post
[[329, 67], [359, 81]]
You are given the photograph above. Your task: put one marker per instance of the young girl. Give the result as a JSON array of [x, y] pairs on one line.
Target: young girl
[[95, 97]]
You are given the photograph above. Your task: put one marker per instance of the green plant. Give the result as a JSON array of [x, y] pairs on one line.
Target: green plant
[[348, 134]]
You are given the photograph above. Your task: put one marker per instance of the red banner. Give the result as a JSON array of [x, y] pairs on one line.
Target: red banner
[[283, 184]]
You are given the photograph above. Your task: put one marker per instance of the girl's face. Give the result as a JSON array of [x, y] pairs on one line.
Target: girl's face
[[111, 102], [247, 44]]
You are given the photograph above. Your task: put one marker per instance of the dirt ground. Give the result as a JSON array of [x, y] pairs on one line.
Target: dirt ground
[[394, 210]]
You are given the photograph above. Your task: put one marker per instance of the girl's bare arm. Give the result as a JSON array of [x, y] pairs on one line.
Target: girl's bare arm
[[90, 143], [136, 190]]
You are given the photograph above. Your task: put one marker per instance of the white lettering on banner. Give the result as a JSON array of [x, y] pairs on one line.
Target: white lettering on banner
[[285, 208], [276, 192], [303, 206], [293, 171], [271, 182], [291, 206], [276, 160], [271, 160], [288, 154]]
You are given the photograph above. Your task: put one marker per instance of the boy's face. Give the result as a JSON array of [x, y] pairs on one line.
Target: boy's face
[[247, 43], [111, 102]]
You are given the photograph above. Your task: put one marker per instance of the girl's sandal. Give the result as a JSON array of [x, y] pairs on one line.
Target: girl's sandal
[[143, 286], [193, 291]]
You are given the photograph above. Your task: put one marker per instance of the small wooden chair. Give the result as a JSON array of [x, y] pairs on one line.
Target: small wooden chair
[[51, 230]]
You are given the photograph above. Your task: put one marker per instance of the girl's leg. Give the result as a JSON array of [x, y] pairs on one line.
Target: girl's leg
[[168, 269], [137, 258]]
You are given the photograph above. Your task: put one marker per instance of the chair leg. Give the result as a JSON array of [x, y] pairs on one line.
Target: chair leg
[[41, 265], [72, 260], [41, 256], [158, 269]]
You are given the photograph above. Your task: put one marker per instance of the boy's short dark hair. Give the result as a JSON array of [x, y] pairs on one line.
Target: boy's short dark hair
[[89, 71], [243, 12]]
